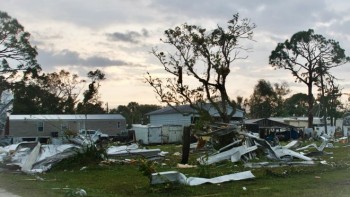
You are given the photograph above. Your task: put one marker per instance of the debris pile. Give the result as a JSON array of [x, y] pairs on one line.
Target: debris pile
[[244, 148], [33, 157]]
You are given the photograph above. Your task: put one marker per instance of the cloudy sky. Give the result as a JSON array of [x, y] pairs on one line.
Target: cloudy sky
[[117, 36]]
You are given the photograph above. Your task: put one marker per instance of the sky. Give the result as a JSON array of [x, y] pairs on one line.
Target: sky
[[117, 36]]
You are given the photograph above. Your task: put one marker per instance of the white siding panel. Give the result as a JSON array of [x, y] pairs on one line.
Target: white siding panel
[[166, 119]]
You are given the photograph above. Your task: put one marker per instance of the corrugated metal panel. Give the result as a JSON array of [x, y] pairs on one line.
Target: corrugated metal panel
[[171, 110], [67, 117]]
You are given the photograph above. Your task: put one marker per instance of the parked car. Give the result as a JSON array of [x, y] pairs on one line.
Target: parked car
[[92, 133]]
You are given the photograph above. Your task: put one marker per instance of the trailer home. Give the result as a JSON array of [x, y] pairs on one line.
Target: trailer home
[[43, 126]]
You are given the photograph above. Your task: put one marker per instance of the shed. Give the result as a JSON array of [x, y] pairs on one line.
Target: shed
[[47, 125], [172, 133], [150, 134], [146, 134]]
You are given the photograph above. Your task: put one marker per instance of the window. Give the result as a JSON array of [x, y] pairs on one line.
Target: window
[[40, 126], [118, 125]]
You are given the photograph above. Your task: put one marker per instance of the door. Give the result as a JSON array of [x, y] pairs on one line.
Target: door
[[155, 135]]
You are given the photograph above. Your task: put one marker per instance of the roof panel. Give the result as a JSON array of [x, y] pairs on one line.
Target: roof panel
[[66, 117], [188, 109]]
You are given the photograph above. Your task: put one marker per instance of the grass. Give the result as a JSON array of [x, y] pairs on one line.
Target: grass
[[127, 180]]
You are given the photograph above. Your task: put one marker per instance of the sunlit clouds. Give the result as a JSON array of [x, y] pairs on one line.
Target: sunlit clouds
[[118, 36]]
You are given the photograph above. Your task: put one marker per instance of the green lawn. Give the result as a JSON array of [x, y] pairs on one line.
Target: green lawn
[[127, 180]]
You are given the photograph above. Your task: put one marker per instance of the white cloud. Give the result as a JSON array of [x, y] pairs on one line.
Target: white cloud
[[117, 36]]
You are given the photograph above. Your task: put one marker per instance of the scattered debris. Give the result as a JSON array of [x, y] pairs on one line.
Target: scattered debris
[[174, 176], [133, 149], [234, 154], [343, 140], [83, 168], [279, 164], [179, 165], [36, 158], [320, 148], [81, 192]]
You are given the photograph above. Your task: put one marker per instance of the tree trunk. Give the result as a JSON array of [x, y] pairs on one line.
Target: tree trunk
[[310, 107], [186, 144]]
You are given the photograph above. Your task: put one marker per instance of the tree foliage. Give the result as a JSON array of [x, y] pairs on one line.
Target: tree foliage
[[16, 52], [268, 100], [32, 99], [91, 103], [135, 113], [262, 101], [65, 86], [305, 55], [54, 93], [329, 95], [203, 56], [297, 105]]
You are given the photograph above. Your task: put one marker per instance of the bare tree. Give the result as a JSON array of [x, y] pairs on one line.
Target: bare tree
[[206, 57]]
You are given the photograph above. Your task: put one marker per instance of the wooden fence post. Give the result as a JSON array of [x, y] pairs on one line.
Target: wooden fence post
[[186, 144]]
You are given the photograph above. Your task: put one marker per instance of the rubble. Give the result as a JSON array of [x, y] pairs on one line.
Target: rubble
[[36, 158], [234, 154], [39, 158], [320, 148], [279, 164], [252, 143]]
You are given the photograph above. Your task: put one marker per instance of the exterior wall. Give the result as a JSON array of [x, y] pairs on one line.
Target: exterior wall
[[297, 123], [109, 127], [170, 119], [29, 128]]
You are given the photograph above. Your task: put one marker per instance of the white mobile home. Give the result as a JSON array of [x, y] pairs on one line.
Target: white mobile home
[[184, 115], [51, 125]]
